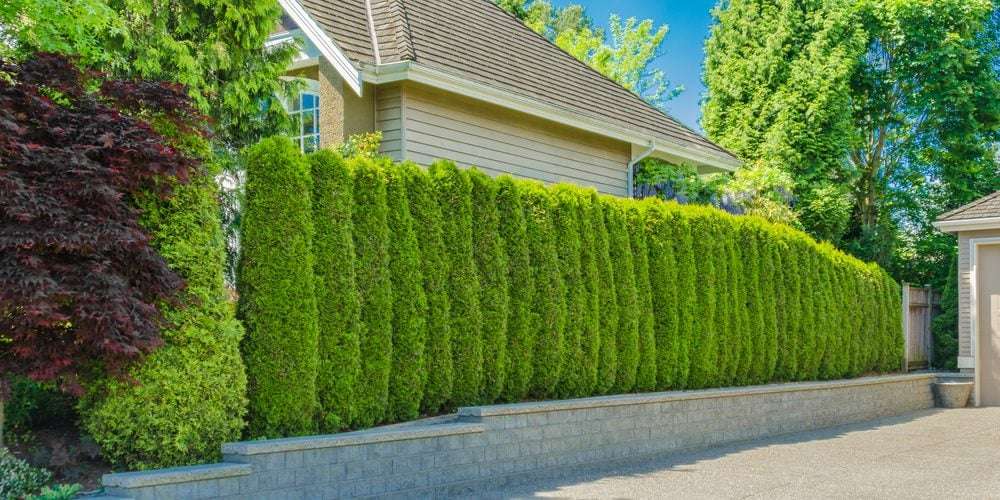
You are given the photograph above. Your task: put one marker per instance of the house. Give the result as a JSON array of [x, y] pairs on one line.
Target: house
[[466, 81], [978, 228]]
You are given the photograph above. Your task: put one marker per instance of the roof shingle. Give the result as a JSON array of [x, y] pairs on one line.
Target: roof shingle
[[987, 206], [478, 41]]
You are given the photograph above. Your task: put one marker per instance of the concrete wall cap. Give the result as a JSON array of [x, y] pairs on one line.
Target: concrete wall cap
[[175, 475], [663, 397], [348, 439]]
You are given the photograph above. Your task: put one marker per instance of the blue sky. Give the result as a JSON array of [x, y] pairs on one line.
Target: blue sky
[[684, 48]]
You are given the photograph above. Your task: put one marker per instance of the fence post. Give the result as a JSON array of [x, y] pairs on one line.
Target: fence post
[[906, 327], [929, 332]]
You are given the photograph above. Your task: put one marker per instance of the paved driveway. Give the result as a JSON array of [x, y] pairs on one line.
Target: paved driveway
[[929, 454]]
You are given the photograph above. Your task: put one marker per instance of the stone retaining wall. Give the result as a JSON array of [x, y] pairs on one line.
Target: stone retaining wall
[[491, 446]]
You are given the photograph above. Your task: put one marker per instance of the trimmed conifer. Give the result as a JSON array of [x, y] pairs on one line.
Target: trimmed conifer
[[548, 310], [520, 343], [661, 239], [566, 219], [607, 366], [277, 296], [336, 290], [646, 373], [626, 332], [491, 264], [454, 194], [372, 274], [590, 334], [427, 223], [409, 304], [703, 350]]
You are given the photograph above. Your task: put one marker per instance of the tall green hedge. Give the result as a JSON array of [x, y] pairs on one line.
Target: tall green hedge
[[370, 213], [447, 287], [336, 290], [491, 264], [434, 267], [521, 289], [277, 298], [189, 396], [454, 194], [409, 304]]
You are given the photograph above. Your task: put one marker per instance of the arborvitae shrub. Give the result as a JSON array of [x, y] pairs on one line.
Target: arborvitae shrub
[[371, 269], [277, 297], [686, 295], [768, 291], [548, 309], [750, 295], [636, 225], [661, 239], [409, 304], [566, 219], [454, 195], [590, 335], [703, 351], [491, 265], [520, 343], [427, 223], [336, 290], [607, 293], [189, 396], [626, 332]]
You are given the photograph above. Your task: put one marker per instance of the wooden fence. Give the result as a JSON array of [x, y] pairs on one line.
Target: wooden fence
[[920, 306]]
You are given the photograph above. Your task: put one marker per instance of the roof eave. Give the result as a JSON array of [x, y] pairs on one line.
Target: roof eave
[[327, 47], [411, 71], [959, 225]]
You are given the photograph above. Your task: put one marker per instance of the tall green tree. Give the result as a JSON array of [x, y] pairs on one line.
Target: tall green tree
[[900, 127]]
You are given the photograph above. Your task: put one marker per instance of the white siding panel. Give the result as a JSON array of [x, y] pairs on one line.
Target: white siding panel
[[388, 119], [498, 141], [965, 288]]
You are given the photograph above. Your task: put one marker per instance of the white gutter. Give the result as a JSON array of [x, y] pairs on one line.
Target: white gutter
[[954, 226], [410, 71], [630, 189]]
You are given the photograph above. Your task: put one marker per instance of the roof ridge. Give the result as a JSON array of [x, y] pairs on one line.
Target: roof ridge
[[957, 211], [401, 30]]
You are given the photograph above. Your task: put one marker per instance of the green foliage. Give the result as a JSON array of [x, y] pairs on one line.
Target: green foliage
[[647, 371], [454, 195], [945, 325], [58, 492], [434, 267], [336, 292], [18, 479], [520, 341], [626, 331], [548, 309], [277, 295], [575, 367], [607, 294], [370, 213], [901, 127], [409, 305], [189, 396], [526, 291], [364, 145], [488, 247]]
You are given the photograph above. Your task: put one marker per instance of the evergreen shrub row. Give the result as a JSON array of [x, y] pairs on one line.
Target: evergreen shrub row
[[445, 287]]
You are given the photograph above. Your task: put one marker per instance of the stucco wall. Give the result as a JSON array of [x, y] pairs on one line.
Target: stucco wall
[[493, 446]]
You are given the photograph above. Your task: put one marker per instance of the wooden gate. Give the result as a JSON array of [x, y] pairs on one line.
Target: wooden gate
[[920, 306]]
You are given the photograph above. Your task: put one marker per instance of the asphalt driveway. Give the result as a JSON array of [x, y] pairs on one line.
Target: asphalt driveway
[[929, 454]]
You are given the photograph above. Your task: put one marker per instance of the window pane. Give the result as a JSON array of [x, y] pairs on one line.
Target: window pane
[[310, 143], [308, 101], [309, 122]]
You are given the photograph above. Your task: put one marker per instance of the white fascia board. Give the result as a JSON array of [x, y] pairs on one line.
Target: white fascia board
[[954, 226], [326, 46], [409, 71]]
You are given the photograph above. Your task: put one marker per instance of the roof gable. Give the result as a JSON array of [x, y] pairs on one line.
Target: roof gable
[[985, 207]]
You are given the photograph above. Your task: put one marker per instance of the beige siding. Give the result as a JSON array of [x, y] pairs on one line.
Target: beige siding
[[389, 119], [965, 288], [498, 141]]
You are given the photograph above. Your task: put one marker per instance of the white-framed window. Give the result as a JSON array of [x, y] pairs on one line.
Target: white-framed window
[[304, 112]]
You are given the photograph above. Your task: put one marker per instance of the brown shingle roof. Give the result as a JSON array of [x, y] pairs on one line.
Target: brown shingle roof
[[988, 206], [478, 41]]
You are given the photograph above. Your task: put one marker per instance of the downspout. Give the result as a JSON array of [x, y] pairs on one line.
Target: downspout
[[630, 191]]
